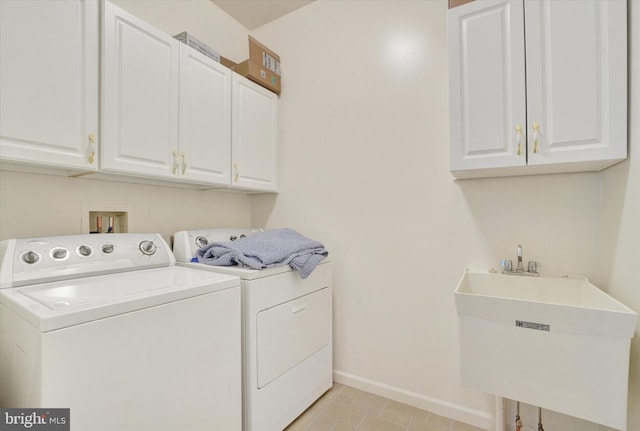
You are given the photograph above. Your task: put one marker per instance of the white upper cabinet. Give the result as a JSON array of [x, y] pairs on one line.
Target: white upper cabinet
[[487, 84], [577, 81], [164, 113], [167, 112], [566, 112], [254, 136], [205, 119], [49, 83], [139, 97]]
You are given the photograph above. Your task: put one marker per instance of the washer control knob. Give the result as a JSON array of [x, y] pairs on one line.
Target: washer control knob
[[30, 257], [201, 241], [107, 248], [85, 250], [148, 247], [59, 253]]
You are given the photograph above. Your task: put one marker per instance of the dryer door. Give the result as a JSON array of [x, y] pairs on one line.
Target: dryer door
[[289, 333]]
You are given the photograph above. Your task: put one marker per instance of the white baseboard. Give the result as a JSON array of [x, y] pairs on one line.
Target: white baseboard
[[444, 408]]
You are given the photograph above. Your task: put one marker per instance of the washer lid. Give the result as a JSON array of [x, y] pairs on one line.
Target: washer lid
[[60, 304]]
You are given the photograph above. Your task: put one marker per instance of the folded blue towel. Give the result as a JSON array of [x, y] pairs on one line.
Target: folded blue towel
[[277, 247]]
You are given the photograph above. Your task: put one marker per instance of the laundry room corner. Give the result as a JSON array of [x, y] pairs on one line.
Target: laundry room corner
[[371, 179], [367, 154]]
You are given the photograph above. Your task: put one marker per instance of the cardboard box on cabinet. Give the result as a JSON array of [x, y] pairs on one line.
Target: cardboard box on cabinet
[[227, 63], [198, 45], [258, 74], [262, 67], [260, 54]]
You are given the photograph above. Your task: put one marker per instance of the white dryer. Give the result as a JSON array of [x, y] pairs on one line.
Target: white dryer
[[108, 326], [287, 332]]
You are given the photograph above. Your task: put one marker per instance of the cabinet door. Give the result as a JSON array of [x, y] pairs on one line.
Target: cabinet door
[[576, 80], [487, 84], [205, 119], [139, 96], [49, 82], [253, 136]]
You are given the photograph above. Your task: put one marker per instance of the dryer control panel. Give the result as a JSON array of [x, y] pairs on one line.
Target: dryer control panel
[[38, 260], [187, 242]]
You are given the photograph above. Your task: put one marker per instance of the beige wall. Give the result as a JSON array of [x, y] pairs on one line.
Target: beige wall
[[45, 205], [620, 252], [364, 157]]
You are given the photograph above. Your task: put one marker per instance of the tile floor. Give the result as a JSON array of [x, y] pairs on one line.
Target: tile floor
[[344, 408]]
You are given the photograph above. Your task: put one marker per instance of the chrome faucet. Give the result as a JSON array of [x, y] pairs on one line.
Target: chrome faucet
[[532, 266], [519, 254]]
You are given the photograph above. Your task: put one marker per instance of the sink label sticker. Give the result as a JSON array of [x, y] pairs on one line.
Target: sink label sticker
[[533, 325]]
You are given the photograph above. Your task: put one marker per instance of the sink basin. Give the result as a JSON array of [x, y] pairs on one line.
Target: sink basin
[[555, 342]]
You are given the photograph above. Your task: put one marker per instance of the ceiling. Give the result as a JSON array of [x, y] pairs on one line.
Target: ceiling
[[254, 13]]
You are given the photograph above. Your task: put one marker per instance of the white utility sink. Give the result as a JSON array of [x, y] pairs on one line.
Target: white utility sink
[[555, 342]]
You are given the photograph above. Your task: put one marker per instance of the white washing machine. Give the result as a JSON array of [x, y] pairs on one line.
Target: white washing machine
[[108, 326], [287, 332]]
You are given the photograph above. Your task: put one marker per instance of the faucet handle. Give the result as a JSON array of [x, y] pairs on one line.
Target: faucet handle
[[532, 266], [506, 264]]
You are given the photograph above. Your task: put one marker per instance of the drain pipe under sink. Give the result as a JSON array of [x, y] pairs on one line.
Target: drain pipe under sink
[[499, 415], [540, 427], [500, 423]]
